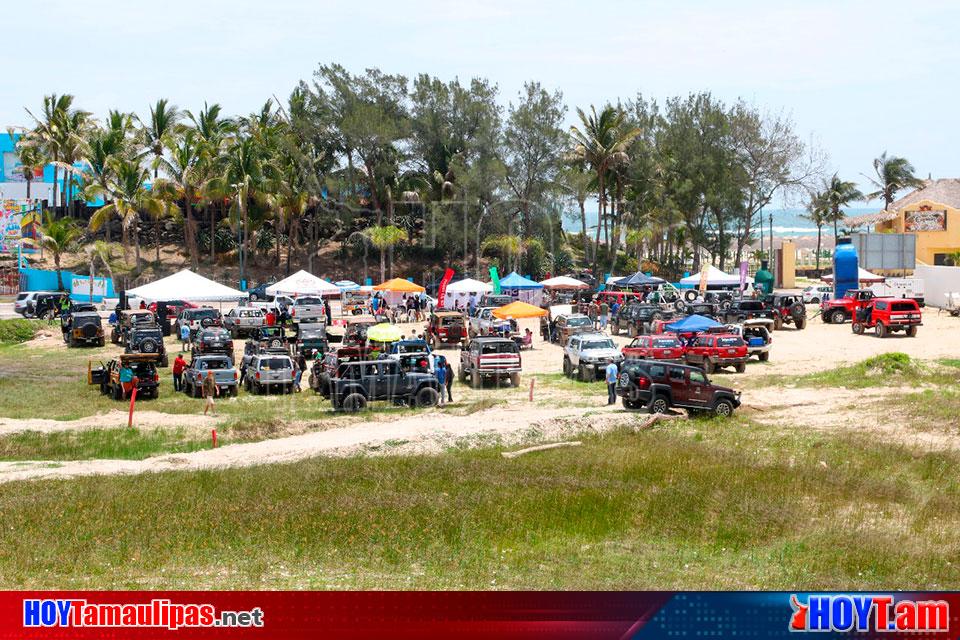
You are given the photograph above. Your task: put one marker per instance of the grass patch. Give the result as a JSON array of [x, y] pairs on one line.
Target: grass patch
[[885, 370], [18, 330], [113, 444], [712, 504]]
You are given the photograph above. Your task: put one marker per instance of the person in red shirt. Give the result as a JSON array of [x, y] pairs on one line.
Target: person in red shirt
[[179, 364], [271, 318]]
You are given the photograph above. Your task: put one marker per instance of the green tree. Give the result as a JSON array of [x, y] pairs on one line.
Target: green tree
[[46, 136], [839, 194], [182, 165], [59, 236], [892, 175], [818, 212], [31, 158], [383, 237], [159, 129]]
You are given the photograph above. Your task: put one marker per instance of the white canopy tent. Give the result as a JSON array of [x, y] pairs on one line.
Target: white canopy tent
[[862, 275], [564, 282], [303, 283], [463, 291], [186, 285], [715, 278]]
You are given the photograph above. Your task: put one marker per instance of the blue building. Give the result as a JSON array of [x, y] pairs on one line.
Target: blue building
[[13, 186]]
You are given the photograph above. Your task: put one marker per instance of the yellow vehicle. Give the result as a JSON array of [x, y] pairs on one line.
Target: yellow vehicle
[[356, 303]]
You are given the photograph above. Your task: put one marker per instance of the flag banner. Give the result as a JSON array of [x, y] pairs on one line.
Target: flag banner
[[744, 265], [495, 281], [704, 277], [296, 615], [442, 290]]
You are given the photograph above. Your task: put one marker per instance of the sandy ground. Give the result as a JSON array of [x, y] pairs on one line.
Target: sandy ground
[[818, 347]]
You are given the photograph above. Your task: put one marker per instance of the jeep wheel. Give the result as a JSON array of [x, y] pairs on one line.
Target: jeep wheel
[[426, 397], [659, 404], [723, 407], [857, 328], [515, 379], [353, 402], [567, 368], [801, 323], [657, 315], [726, 304], [475, 380], [463, 375], [630, 404], [881, 330], [196, 391], [690, 295], [234, 391], [838, 317], [912, 331], [763, 356], [165, 361], [581, 373], [116, 393], [707, 365], [814, 300], [275, 344]]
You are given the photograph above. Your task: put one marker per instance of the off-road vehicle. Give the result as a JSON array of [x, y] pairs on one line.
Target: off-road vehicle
[[241, 321], [787, 309], [839, 310], [357, 383], [745, 309], [82, 328], [886, 315], [127, 321], [634, 319], [148, 340], [40, 304], [308, 309], [490, 358], [757, 333], [265, 340], [586, 355], [712, 351], [224, 373], [325, 369], [658, 386], [446, 328], [311, 337], [145, 375], [268, 371], [199, 318], [213, 340], [566, 326], [662, 346]]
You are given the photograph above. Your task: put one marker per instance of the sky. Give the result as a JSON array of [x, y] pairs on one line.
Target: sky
[[856, 77]]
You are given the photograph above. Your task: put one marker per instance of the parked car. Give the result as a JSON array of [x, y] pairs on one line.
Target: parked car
[[147, 339], [241, 321], [324, 370], [224, 373], [494, 300], [199, 318], [658, 386], [308, 309], [745, 309], [358, 383], [483, 322], [259, 292], [144, 367], [39, 304], [713, 351], [310, 337], [490, 358], [815, 294], [787, 309], [82, 328], [586, 355], [213, 340], [357, 329], [757, 333], [635, 318], [663, 346], [268, 371], [127, 321], [839, 310], [566, 326], [912, 288], [174, 307], [886, 315], [446, 328]]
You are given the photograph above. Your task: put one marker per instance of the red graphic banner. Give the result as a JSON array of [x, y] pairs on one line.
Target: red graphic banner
[[447, 277]]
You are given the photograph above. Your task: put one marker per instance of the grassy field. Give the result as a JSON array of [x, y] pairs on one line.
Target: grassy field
[[705, 505]]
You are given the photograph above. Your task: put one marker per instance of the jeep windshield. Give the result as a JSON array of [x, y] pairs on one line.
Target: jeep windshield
[[312, 333], [598, 344], [579, 322], [269, 364], [411, 347], [201, 313], [143, 369], [666, 343], [490, 348], [213, 363], [730, 342]]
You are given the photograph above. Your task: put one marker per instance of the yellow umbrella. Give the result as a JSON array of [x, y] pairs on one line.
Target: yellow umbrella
[[400, 285], [384, 332], [517, 310]]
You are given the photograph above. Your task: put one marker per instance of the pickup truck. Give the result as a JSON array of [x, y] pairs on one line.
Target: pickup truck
[[265, 340], [588, 354], [308, 309], [270, 371], [485, 323], [223, 372], [839, 310], [740, 310], [357, 383], [490, 357], [243, 320], [713, 351], [311, 337]]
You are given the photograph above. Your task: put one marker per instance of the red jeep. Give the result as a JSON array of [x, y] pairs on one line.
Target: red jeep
[[884, 315], [711, 350], [656, 347], [839, 310]]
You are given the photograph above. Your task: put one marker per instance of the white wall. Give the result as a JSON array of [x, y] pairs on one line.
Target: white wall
[[938, 281], [18, 190]]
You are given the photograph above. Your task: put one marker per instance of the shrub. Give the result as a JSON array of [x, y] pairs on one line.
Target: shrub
[[18, 330]]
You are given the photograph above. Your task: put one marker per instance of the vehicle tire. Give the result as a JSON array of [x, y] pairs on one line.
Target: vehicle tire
[[726, 304], [581, 373], [912, 331], [234, 334], [659, 404], [325, 391], [630, 404], [814, 300], [148, 346], [723, 407], [690, 295], [679, 305], [254, 297], [276, 343], [657, 316], [764, 356], [196, 391], [475, 380], [801, 323], [248, 386], [857, 328], [206, 323], [462, 374], [426, 397], [101, 341], [881, 330], [838, 317], [234, 391], [515, 379], [70, 341], [707, 365], [567, 368], [116, 393], [165, 361], [741, 367], [353, 403], [777, 322]]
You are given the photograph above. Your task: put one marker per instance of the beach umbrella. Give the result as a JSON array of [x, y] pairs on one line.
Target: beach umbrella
[[399, 285], [564, 282], [346, 285], [384, 332], [518, 310]]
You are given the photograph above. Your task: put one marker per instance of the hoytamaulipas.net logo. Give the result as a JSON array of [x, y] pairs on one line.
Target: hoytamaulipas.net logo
[[858, 612], [156, 613]]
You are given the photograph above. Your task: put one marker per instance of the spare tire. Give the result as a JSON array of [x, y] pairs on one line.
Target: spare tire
[[148, 345], [89, 331], [206, 322], [690, 295], [276, 343], [726, 304], [679, 305], [797, 309]]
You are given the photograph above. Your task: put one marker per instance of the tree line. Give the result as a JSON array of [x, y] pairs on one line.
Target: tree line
[[440, 171]]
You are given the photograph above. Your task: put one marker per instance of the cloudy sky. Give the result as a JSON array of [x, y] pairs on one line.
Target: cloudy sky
[[859, 77]]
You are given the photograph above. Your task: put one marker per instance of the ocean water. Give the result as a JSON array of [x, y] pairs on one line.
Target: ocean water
[[787, 223]]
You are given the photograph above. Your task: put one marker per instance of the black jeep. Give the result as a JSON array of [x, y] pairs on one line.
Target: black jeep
[[633, 319], [109, 377], [82, 327], [745, 309], [358, 383], [147, 339], [657, 386]]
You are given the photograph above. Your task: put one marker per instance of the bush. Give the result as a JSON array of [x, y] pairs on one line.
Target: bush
[[18, 330], [889, 364]]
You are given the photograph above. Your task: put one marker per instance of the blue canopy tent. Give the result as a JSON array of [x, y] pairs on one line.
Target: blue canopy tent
[[346, 285], [522, 288], [692, 324], [639, 279]]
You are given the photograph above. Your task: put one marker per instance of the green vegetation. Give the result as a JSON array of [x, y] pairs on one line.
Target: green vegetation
[[17, 330], [885, 370], [112, 444], [713, 505]]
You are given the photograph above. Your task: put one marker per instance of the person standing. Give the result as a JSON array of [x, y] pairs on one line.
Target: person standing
[[604, 315], [184, 338], [243, 373], [179, 364], [592, 313], [210, 389], [301, 367], [449, 369], [271, 318], [327, 312], [610, 373], [441, 372]]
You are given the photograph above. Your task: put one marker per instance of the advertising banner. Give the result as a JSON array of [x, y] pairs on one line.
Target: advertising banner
[[704, 277], [80, 286], [744, 265], [495, 280], [442, 289], [18, 220]]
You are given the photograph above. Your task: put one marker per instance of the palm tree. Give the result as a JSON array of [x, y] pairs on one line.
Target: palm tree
[[597, 144], [74, 125], [893, 174], [156, 133], [818, 212], [383, 237], [840, 193], [577, 183], [102, 252], [47, 134], [131, 199], [182, 170], [213, 132], [101, 146], [30, 159], [59, 237]]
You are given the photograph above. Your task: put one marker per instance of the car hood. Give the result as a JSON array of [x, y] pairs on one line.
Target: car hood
[[601, 353]]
